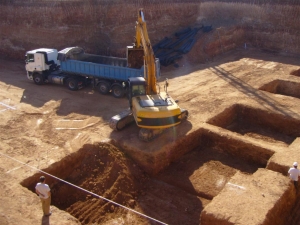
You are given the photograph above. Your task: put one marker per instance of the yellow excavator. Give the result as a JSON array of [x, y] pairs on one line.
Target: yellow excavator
[[152, 110]]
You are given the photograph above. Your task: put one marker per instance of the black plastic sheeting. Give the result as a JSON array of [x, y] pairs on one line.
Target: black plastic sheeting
[[170, 49]]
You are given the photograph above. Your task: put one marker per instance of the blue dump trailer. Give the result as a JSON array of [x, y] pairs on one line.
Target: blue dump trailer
[[76, 69]]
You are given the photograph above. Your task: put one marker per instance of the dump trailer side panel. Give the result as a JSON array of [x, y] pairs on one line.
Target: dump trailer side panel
[[100, 70]]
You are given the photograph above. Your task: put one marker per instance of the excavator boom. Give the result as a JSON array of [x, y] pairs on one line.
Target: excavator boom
[[142, 41]]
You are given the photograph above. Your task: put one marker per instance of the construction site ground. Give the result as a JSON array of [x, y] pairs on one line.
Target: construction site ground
[[227, 164]]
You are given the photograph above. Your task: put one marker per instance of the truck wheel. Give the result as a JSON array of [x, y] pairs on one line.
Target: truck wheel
[[118, 91], [103, 87], [38, 78], [72, 84]]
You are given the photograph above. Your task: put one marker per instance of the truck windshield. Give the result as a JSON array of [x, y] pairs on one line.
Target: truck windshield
[[29, 58]]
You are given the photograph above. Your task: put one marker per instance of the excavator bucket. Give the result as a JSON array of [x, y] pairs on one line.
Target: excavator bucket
[[135, 57]]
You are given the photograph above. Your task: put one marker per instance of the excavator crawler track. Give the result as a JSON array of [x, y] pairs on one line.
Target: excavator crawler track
[[121, 120]]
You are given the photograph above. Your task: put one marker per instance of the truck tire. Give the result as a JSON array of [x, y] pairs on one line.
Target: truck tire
[[103, 87], [38, 78], [118, 91], [72, 84]]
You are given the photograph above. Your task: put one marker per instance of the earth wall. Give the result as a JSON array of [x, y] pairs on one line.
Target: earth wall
[[107, 27]]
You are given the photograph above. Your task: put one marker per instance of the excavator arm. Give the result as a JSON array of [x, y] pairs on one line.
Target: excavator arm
[[142, 41]]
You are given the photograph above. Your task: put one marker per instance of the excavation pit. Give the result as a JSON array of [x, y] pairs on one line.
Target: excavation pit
[[100, 169], [200, 139], [270, 127], [282, 87], [205, 171], [104, 170]]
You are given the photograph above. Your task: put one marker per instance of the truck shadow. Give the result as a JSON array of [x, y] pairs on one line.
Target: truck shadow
[[86, 101]]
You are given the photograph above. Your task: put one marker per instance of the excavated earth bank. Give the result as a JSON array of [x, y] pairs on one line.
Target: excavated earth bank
[[282, 87]]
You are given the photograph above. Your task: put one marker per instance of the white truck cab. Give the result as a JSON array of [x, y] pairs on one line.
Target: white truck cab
[[40, 60]]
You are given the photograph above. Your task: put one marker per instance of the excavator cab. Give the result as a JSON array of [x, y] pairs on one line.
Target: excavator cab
[[136, 87]]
